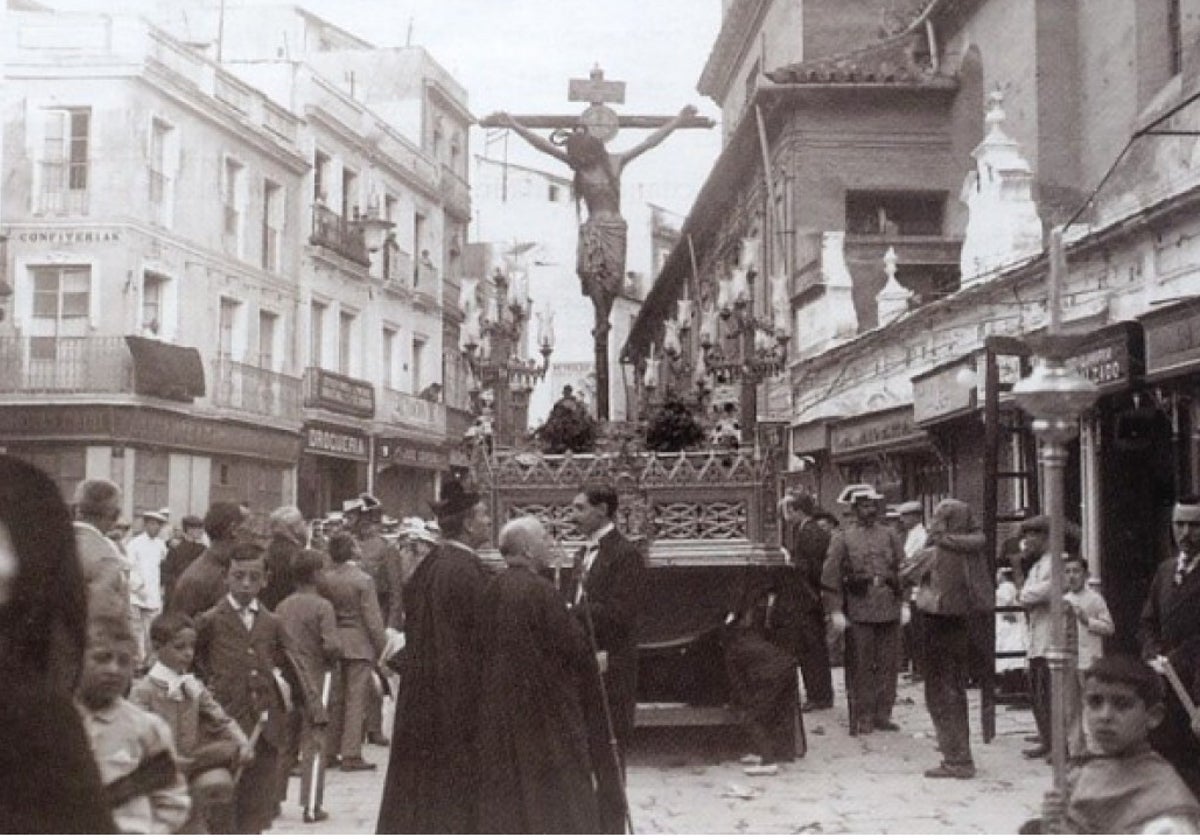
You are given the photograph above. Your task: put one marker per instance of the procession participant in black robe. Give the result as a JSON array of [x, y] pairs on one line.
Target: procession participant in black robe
[[535, 771], [431, 785], [762, 681]]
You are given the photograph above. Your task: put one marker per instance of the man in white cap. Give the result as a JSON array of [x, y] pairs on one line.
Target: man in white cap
[[146, 552], [860, 585], [1170, 628]]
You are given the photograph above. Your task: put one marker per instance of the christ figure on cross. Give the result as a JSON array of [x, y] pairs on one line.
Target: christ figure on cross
[[600, 261]]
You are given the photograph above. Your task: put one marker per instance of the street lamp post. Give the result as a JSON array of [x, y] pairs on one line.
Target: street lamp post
[[1055, 396], [491, 342]]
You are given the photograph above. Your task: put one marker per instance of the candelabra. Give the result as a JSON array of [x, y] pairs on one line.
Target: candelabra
[[759, 344], [491, 342]]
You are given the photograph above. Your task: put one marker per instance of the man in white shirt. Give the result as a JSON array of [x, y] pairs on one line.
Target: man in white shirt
[[146, 552]]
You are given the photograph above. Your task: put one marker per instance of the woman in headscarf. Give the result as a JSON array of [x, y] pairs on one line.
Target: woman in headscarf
[[48, 779]]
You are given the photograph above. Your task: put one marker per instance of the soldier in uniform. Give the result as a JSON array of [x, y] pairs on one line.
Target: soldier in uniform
[[860, 585]]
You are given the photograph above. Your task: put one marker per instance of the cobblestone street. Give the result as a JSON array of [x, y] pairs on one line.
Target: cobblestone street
[[690, 782]]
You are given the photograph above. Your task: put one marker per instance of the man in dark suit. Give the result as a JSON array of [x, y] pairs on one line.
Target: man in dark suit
[[432, 776], [799, 615], [604, 590], [241, 654], [203, 582], [360, 634], [1170, 628]]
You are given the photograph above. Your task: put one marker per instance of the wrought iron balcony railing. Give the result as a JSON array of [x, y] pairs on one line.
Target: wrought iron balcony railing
[[411, 410], [90, 365], [329, 230], [255, 390]]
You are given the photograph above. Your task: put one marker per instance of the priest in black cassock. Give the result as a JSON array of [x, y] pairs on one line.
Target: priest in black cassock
[[535, 773], [432, 779]]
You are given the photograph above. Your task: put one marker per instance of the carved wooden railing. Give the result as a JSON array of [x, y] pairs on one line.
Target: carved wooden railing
[[712, 507]]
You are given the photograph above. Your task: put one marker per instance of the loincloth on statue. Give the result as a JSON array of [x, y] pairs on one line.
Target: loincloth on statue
[[600, 262]]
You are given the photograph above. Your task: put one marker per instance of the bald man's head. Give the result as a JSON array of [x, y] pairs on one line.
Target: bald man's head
[[524, 542]]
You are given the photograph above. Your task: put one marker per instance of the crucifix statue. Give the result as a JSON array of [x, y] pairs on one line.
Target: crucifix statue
[[578, 141]]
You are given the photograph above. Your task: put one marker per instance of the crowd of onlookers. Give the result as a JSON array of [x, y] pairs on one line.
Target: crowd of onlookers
[[175, 682], [179, 679], [886, 592]]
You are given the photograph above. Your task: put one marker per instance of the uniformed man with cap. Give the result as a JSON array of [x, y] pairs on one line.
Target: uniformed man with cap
[[1170, 628], [860, 584]]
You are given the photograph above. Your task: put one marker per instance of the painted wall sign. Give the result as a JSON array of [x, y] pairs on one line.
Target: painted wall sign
[[410, 454], [68, 236], [1172, 340], [325, 389], [135, 425], [1112, 358], [876, 431], [339, 443]]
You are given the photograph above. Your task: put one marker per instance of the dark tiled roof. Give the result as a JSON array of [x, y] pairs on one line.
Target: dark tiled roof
[[900, 60]]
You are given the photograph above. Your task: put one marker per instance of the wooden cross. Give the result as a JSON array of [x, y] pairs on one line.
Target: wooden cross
[[600, 120]]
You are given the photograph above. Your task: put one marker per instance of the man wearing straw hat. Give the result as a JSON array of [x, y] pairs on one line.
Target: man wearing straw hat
[[860, 584]]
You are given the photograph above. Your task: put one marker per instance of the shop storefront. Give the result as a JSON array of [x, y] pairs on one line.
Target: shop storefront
[[335, 464], [407, 475], [333, 467], [1112, 471], [889, 450], [160, 458]]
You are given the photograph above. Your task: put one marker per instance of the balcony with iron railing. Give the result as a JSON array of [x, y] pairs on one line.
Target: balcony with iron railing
[[413, 411], [342, 236], [397, 267], [44, 366], [255, 390], [64, 188]]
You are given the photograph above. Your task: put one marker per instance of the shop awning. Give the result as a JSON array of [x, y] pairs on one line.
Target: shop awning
[[166, 370]]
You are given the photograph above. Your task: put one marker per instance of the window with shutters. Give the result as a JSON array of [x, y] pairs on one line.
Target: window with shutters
[[64, 165]]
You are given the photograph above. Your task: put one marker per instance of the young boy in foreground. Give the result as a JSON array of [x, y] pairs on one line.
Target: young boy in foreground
[[205, 736], [240, 646], [132, 747], [1121, 786]]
